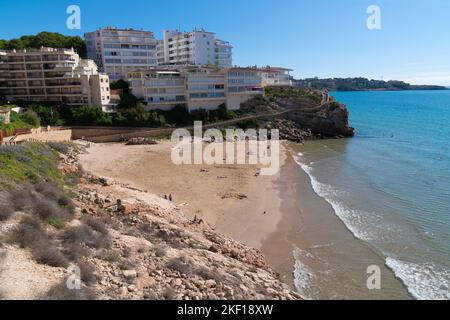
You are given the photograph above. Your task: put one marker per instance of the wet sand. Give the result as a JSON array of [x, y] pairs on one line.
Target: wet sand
[[331, 262]]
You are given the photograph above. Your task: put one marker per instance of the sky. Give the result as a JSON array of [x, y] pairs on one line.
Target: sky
[[320, 38]]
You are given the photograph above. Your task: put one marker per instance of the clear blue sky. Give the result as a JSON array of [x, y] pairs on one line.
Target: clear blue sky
[[324, 38]]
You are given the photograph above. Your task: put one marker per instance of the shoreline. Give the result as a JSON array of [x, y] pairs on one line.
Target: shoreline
[[298, 232]]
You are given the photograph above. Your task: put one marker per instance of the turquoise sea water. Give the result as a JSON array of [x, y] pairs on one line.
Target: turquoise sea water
[[390, 184]]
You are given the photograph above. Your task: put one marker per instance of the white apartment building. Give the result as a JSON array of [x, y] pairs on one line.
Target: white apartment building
[[196, 87], [272, 76], [198, 47], [205, 88], [242, 85], [120, 51], [161, 89], [52, 75]]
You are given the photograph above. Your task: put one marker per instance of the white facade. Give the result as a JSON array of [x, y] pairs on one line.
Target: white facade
[[242, 85], [52, 75], [160, 88], [198, 48], [196, 87], [119, 51], [275, 77]]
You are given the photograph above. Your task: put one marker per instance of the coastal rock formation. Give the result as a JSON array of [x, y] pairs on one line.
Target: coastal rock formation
[[301, 114], [170, 257], [328, 120]]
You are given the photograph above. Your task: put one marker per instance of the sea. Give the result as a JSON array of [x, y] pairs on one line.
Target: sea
[[390, 184]]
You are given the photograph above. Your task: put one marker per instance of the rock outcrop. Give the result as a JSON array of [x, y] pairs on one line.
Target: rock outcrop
[[329, 120]]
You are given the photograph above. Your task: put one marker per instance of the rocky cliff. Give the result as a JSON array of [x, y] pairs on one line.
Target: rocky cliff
[[302, 114]]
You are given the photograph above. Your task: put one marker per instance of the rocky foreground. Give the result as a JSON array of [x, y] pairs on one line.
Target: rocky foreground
[[127, 244]]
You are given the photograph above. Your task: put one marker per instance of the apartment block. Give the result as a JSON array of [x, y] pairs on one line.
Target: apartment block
[[198, 47], [205, 88], [52, 75], [196, 87], [242, 85], [271, 76], [160, 88], [120, 51]]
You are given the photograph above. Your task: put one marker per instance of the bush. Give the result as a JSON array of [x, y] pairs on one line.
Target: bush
[[87, 273], [61, 147], [5, 212], [127, 265], [96, 225], [179, 264], [85, 235], [109, 255], [208, 274], [160, 251], [28, 232], [75, 251], [61, 292], [48, 210], [30, 117], [49, 190], [46, 253], [22, 199]]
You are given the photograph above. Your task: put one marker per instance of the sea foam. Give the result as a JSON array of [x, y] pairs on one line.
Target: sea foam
[[424, 281]]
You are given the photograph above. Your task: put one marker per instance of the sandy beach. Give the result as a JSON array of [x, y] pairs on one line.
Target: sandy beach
[[232, 198]]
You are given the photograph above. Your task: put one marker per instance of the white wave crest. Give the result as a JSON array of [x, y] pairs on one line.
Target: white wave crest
[[424, 281]]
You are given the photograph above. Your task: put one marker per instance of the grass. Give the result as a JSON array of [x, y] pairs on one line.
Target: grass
[[10, 127], [57, 223], [28, 163]]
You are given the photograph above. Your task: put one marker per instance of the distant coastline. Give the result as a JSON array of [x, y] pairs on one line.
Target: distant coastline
[[362, 84]]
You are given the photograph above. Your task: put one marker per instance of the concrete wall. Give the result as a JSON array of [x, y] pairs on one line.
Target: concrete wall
[[45, 136]]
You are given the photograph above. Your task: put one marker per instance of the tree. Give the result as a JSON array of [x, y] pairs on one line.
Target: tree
[[120, 85], [30, 117], [46, 39], [128, 101]]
